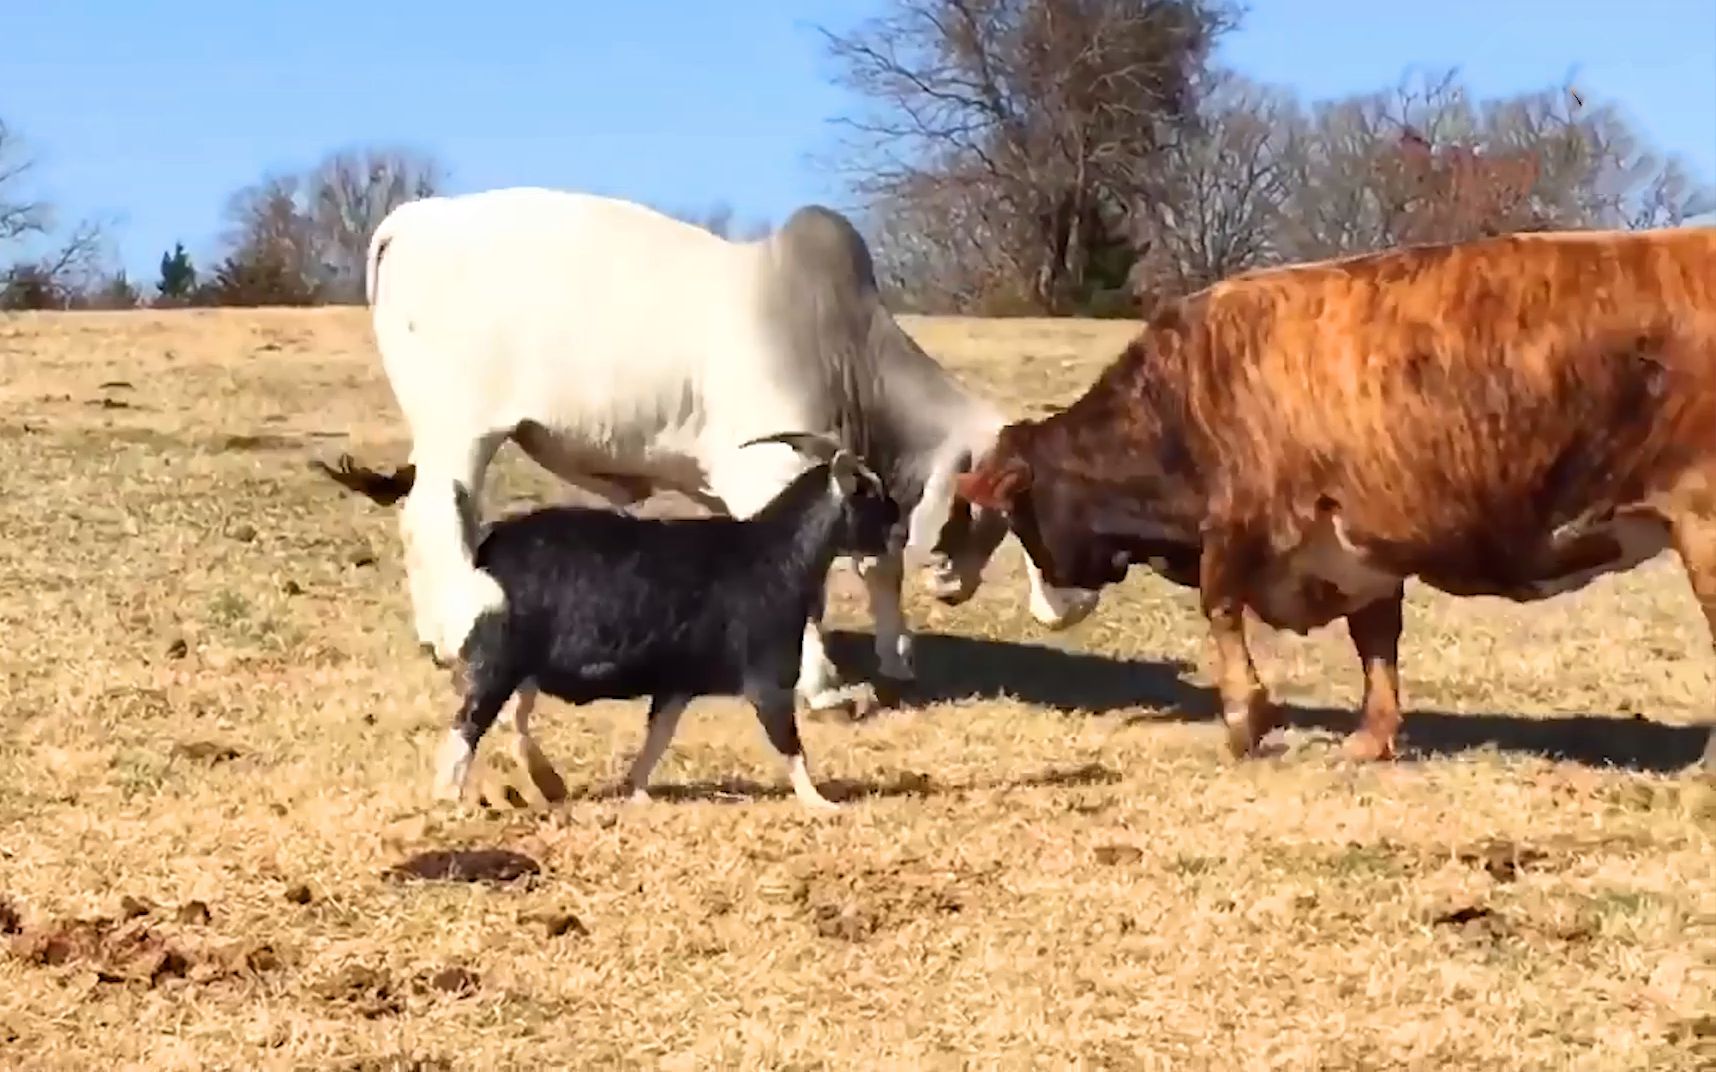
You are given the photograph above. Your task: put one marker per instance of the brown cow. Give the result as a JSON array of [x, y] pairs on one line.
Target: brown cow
[[1513, 417]]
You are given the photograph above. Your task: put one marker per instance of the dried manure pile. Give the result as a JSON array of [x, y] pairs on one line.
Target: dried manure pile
[[218, 847]]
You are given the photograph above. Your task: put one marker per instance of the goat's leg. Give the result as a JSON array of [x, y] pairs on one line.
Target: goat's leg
[[664, 712], [775, 711], [883, 575], [448, 592], [525, 749], [486, 694]]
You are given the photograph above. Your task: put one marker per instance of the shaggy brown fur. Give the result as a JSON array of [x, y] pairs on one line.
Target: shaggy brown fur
[[1511, 417]]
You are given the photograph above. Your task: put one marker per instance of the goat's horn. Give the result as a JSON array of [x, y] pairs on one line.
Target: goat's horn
[[820, 447]]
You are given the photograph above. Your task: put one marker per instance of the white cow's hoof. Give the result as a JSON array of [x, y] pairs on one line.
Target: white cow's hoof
[[897, 668]]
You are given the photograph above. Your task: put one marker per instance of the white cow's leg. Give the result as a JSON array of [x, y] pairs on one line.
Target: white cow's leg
[[448, 593], [1058, 608], [883, 576]]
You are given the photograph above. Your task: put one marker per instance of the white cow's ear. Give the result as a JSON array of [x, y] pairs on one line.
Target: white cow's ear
[[934, 507]]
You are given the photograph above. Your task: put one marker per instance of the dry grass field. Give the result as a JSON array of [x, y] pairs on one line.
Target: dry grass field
[[216, 735]]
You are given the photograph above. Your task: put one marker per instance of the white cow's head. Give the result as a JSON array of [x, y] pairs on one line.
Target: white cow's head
[[959, 536]]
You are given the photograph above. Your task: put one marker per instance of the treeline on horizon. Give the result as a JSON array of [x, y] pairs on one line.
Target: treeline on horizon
[[1007, 157]]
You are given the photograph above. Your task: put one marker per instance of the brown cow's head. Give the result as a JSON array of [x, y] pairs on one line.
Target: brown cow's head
[[1067, 564]]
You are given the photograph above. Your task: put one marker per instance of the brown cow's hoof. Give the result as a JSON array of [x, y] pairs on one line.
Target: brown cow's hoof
[[1246, 728], [1363, 747]]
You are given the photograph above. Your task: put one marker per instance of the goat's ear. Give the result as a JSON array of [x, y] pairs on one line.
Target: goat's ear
[[844, 473], [994, 486]]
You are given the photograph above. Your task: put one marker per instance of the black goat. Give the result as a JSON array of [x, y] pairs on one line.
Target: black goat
[[602, 605]]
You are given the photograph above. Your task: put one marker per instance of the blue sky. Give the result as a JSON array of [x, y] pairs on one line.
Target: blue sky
[[157, 117]]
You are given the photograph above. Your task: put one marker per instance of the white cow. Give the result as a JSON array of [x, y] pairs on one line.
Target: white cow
[[626, 351]]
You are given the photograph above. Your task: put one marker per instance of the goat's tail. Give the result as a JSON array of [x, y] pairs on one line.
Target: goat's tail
[[382, 488]]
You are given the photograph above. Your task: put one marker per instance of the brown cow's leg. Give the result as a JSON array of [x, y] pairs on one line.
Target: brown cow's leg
[[1695, 540], [1375, 630], [1246, 707]]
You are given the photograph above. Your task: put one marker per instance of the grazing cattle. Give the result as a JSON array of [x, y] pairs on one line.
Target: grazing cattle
[[627, 351], [1510, 417], [599, 605]]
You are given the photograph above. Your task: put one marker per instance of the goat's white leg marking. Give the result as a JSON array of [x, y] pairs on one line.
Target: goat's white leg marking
[[817, 678], [663, 723], [536, 764], [775, 711], [882, 578], [452, 766], [798, 772]]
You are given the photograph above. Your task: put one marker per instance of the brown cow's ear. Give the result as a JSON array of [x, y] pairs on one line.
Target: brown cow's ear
[[994, 488]]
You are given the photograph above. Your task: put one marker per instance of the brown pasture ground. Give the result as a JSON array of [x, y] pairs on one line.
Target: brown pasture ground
[[217, 731]]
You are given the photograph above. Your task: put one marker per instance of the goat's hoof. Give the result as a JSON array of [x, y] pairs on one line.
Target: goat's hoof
[[1247, 726], [637, 797]]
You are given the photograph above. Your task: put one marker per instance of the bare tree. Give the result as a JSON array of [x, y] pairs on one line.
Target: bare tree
[[44, 280], [1424, 163], [274, 254], [720, 220], [19, 215], [1215, 208], [346, 197], [1036, 116]]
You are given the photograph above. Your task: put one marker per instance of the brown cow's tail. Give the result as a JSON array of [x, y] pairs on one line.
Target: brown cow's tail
[[382, 488]]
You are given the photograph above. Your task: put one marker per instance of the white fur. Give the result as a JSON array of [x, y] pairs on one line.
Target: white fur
[[634, 340], [452, 766], [1058, 608]]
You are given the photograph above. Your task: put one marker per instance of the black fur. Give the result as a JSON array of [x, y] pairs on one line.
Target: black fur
[[604, 605]]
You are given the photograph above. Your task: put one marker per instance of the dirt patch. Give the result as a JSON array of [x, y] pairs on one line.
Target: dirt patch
[[369, 992], [1118, 854], [10, 921], [855, 904], [558, 924], [134, 950], [450, 980], [1482, 924], [1502, 859], [210, 752], [247, 441], [493, 866], [390, 1063]]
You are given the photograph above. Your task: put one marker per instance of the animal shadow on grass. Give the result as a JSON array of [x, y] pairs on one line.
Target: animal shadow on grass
[[845, 790], [953, 668]]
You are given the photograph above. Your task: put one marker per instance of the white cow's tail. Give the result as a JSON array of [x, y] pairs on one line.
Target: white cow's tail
[[372, 260]]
